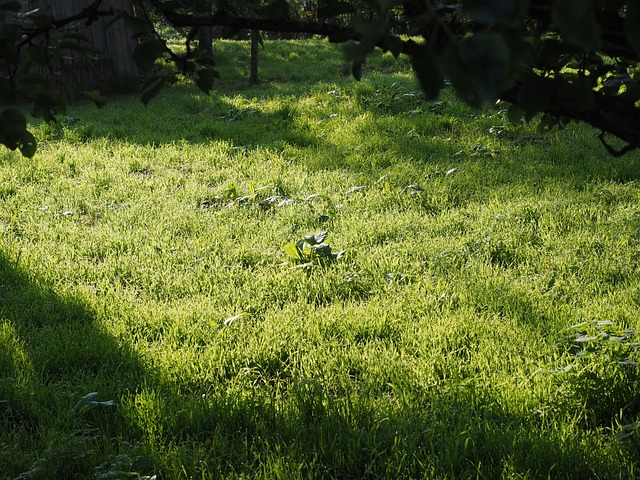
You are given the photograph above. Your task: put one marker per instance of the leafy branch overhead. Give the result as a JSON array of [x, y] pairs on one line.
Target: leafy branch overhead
[[568, 59]]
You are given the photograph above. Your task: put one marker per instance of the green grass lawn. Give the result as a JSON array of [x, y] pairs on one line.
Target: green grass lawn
[[480, 323]]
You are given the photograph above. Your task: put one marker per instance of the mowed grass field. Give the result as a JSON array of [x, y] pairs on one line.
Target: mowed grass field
[[473, 315]]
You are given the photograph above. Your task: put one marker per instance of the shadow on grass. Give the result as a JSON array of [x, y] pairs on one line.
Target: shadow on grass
[[181, 114], [307, 432], [516, 156], [53, 351]]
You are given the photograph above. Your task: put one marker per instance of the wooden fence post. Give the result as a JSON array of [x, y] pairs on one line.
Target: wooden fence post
[[111, 69]]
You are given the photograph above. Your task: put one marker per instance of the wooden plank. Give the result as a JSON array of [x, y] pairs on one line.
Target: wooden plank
[[114, 68]]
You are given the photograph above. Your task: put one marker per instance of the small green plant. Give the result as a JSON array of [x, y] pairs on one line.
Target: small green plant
[[257, 196], [312, 250], [589, 339]]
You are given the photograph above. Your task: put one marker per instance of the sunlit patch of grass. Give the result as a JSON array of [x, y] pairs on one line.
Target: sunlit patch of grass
[[144, 257]]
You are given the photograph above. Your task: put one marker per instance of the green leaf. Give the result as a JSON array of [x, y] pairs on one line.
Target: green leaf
[[13, 127], [90, 400], [553, 53], [151, 88], [146, 54], [515, 113], [99, 99], [28, 144], [333, 8], [632, 25], [479, 67], [371, 31], [429, 73], [578, 22], [321, 249], [84, 401], [205, 78], [55, 101], [356, 68], [13, 120], [582, 92], [47, 103], [394, 45], [317, 238], [547, 122], [276, 10], [42, 111], [321, 196], [357, 50], [504, 12], [136, 25], [293, 251], [534, 94]]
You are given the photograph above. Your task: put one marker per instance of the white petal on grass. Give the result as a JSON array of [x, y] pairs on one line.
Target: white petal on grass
[[90, 399], [230, 320]]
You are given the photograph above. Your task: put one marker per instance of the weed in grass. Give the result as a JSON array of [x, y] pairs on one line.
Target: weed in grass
[[312, 250]]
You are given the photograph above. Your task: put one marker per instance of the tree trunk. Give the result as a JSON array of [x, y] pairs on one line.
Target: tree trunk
[[205, 41], [255, 50], [205, 34]]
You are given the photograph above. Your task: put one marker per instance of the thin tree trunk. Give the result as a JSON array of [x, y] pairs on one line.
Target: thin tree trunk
[[205, 34], [205, 41], [255, 49]]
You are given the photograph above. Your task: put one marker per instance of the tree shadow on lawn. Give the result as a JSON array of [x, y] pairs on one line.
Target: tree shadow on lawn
[[183, 115], [53, 351], [308, 432]]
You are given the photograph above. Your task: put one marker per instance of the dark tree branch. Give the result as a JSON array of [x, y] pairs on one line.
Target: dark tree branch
[[222, 19], [611, 150], [611, 114]]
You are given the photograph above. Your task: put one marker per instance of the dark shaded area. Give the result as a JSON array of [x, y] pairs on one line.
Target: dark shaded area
[[183, 115], [53, 352]]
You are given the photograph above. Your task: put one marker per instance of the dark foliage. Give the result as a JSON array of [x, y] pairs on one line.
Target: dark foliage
[[567, 59]]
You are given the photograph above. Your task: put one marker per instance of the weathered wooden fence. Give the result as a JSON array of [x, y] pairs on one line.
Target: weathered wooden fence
[[113, 68]]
